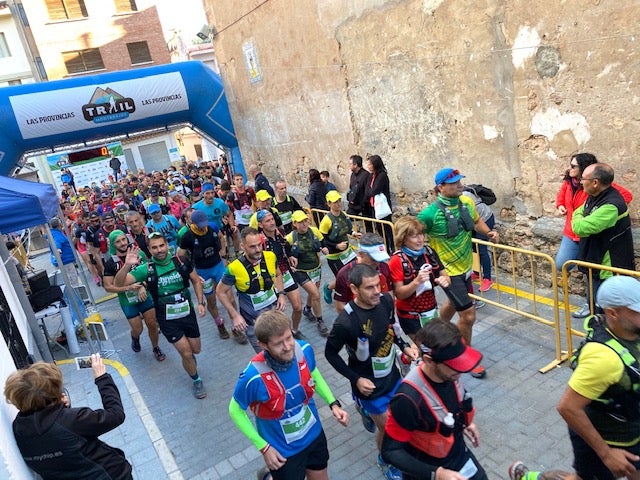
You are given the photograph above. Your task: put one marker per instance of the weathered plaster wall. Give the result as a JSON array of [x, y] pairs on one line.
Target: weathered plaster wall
[[503, 90]]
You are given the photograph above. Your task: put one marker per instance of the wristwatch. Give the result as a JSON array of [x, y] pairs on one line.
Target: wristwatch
[[203, 303], [334, 403]]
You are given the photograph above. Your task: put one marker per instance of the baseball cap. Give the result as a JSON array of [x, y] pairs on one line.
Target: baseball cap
[[262, 213], [154, 191], [619, 291], [207, 186], [153, 208], [448, 175], [263, 195], [299, 216], [377, 252], [459, 356], [199, 219], [333, 196]]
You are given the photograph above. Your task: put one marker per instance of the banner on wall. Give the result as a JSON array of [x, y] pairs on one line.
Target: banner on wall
[[41, 114], [88, 166]]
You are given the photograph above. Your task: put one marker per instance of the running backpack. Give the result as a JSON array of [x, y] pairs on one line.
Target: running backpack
[[483, 193]]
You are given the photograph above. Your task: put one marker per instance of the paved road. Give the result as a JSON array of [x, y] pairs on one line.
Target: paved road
[[170, 434]]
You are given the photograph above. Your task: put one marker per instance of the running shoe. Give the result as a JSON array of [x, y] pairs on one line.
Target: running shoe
[[322, 328], [299, 335], [199, 390], [308, 314], [222, 332], [326, 294], [478, 304], [390, 472], [486, 284], [367, 422], [135, 344], [583, 312], [160, 356], [518, 471], [239, 337], [96, 279], [475, 276], [478, 372]]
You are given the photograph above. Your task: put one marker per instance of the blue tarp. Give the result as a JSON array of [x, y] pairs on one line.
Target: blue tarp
[[25, 204]]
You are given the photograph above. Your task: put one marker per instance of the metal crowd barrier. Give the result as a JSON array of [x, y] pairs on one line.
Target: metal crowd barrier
[[360, 225], [592, 269], [526, 300]]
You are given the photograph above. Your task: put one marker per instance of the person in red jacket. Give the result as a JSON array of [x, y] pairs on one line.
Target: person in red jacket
[[570, 197]]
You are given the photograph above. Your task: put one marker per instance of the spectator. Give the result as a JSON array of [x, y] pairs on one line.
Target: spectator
[[58, 441], [357, 186], [324, 175], [378, 183], [316, 198], [260, 181], [570, 197], [66, 252]]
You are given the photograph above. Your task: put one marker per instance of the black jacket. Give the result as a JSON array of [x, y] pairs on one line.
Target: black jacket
[[62, 443], [378, 183], [262, 183], [357, 186], [316, 198]]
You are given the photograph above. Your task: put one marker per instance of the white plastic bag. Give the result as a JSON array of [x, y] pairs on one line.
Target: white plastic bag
[[381, 206]]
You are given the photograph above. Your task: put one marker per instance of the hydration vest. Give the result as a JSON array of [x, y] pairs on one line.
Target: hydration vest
[[421, 303], [617, 400], [254, 278], [456, 223], [315, 243], [438, 443], [274, 407], [152, 279], [341, 225]]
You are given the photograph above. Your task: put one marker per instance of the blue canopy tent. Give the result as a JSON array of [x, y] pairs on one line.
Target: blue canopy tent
[[25, 204]]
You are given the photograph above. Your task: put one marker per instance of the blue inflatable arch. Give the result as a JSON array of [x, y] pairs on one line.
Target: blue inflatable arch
[[55, 114]]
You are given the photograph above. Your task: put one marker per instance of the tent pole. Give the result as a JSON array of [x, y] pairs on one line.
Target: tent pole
[[73, 298]]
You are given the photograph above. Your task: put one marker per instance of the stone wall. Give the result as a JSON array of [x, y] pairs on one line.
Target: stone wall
[[504, 90]]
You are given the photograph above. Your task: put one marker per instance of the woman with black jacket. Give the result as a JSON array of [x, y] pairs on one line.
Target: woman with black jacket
[[60, 442], [378, 183], [317, 193]]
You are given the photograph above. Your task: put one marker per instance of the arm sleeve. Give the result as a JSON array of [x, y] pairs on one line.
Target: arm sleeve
[[599, 220], [393, 452], [321, 386], [242, 421]]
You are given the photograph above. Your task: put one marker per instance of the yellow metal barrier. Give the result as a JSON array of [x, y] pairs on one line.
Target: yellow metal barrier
[[525, 264], [360, 224], [592, 269]]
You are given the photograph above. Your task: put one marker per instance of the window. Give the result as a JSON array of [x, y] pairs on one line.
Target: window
[[80, 61], [125, 6], [139, 52], [4, 46], [15, 82], [66, 9]]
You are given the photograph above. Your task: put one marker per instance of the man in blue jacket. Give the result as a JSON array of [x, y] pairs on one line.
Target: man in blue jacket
[[65, 250]]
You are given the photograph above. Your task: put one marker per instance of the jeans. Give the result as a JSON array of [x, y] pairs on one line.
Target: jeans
[[568, 250], [483, 250]]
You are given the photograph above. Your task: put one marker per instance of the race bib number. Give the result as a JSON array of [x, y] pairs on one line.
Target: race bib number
[[469, 469], [297, 426], [285, 217], [263, 299], [177, 310], [314, 275], [287, 279], [426, 317], [132, 296], [207, 286], [346, 256], [382, 365]]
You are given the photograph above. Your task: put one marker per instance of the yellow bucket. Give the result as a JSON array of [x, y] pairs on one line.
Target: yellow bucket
[[93, 318]]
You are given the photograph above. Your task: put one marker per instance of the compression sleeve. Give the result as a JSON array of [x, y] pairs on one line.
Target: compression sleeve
[[242, 421], [321, 387]]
